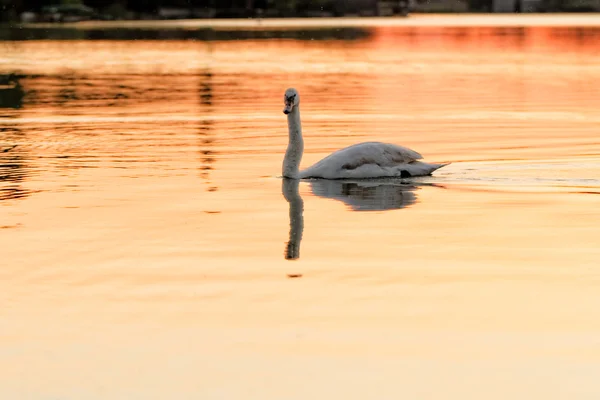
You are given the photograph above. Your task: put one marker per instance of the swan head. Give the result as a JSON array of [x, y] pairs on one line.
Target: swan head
[[291, 99]]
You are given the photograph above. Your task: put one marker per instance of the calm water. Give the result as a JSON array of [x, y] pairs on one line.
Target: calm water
[[149, 248]]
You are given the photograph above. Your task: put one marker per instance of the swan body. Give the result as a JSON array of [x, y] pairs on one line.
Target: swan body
[[359, 161], [370, 160]]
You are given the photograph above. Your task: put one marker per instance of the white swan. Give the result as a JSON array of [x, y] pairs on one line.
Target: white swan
[[362, 160]]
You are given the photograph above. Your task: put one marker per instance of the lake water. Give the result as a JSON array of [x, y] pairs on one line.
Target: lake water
[[151, 251]]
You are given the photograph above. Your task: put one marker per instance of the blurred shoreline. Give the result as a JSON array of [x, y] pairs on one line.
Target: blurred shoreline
[[432, 20]]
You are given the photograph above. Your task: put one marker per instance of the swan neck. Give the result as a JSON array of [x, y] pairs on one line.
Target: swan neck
[[295, 149]]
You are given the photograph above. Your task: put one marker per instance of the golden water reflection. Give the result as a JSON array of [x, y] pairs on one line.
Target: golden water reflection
[[142, 219]]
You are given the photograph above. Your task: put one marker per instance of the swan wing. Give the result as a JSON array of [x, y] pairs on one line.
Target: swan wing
[[377, 154], [381, 154]]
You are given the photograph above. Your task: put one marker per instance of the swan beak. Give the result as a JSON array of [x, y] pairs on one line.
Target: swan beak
[[287, 109]]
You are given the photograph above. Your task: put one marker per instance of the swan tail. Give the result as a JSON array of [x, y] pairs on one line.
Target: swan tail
[[419, 168]]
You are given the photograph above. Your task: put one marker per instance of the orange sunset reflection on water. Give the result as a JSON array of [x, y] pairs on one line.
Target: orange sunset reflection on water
[[151, 250]]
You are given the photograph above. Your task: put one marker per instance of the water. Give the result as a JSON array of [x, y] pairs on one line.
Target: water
[[150, 250]]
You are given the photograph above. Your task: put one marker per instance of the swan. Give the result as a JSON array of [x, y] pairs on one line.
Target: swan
[[358, 161]]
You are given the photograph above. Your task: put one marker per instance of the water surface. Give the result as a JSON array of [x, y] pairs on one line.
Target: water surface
[[150, 249]]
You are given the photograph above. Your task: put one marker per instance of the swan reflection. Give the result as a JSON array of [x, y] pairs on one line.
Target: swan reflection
[[290, 191], [369, 195], [359, 195]]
